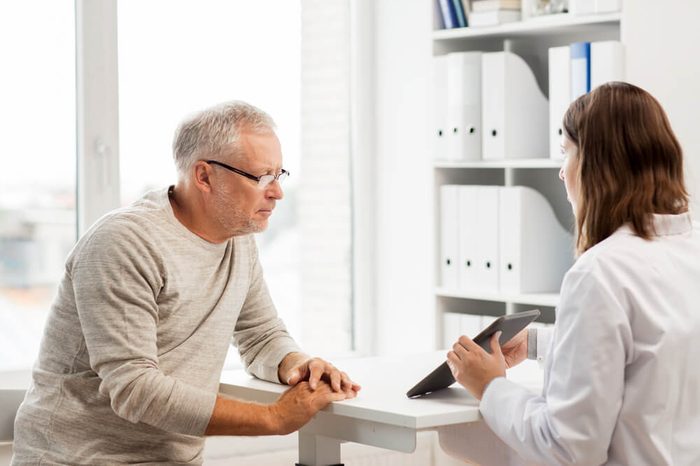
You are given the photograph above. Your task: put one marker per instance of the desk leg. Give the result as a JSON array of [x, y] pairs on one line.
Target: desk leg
[[317, 450]]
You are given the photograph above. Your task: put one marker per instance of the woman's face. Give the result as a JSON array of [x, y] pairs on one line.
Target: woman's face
[[569, 170]]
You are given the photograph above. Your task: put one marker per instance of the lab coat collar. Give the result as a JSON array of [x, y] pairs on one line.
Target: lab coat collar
[[666, 224]]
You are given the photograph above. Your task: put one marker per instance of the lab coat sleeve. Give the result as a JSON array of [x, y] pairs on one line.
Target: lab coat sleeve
[[544, 338], [573, 420]]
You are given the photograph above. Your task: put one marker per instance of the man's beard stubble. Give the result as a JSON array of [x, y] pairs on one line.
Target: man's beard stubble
[[230, 217]]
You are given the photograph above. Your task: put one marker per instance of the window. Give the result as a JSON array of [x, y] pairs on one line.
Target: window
[[289, 58], [37, 180]]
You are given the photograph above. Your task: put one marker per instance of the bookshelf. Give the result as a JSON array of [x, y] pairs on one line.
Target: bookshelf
[[530, 40], [514, 163], [549, 25]]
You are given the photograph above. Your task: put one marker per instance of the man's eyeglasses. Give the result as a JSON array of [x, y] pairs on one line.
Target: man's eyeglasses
[[263, 181]]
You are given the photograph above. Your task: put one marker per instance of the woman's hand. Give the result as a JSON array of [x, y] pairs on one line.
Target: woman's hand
[[473, 367], [515, 350]]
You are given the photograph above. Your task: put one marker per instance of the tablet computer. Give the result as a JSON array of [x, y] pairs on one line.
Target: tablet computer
[[442, 377]]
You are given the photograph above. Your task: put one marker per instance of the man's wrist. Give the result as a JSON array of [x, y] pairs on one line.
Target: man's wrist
[[289, 362], [532, 343], [272, 419]]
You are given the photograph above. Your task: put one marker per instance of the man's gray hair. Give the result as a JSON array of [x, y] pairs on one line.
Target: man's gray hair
[[205, 134]]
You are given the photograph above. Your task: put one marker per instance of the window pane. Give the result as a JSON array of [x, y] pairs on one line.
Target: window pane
[[206, 52], [325, 192], [37, 180]]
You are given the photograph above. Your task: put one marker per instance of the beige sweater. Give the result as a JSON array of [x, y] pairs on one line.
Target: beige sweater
[[135, 341]]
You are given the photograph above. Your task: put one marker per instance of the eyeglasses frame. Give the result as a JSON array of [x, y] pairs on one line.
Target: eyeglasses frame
[[250, 176]]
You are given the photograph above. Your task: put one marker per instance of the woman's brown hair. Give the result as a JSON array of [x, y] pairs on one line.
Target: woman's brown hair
[[630, 162]]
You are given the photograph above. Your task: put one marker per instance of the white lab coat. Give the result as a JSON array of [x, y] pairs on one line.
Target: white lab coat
[[622, 377]]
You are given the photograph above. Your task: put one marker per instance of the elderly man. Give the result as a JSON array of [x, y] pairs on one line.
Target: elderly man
[[152, 294]]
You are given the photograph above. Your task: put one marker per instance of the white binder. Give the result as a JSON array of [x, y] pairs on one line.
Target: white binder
[[559, 96], [487, 255], [607, 62], [449, 236], [438, 115], [456, 324], [451, 328], [470, 325], [464, 105], [514, 109], [468, 238], [536, 251]]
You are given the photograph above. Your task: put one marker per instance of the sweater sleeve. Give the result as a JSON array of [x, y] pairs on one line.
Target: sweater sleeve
[[260, 335], [116, 280]]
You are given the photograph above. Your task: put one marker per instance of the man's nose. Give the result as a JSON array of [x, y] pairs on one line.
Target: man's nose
[[561, 173], [274, 190]]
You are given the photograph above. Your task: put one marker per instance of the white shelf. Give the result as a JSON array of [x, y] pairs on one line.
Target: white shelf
[[539, 26], [512, 163], [535, 299]]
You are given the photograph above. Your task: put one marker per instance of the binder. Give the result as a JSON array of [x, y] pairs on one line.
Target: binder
[[487, 236], [451, 328], [559, 96], [449, 236], [455, 325], [470, 325], [466, 7], [514, 109], [536, 251], [439, 108], [580, 69], [464, 106], [460, 13], [449, 15], [438, 23], [468, 238], [607, 62]]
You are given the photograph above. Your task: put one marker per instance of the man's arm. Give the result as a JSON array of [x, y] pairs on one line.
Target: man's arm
[[115, 281], [234, 417], [260, 335], [266, 348], [290, 412]]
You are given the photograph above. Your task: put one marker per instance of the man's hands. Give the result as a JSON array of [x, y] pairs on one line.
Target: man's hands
[[315, 383], [473, 367], [297, 367], [300, 403]]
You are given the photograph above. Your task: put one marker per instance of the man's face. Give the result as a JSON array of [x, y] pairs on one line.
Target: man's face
[[239, 205]]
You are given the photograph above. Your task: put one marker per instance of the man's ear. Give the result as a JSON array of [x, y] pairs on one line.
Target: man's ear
[[201, 173]]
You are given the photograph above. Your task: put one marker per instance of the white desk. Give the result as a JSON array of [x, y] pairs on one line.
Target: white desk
[[381, 415], [13, 386]]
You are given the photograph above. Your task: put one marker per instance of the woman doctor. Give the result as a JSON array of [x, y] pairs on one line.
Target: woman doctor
[[622, 366]]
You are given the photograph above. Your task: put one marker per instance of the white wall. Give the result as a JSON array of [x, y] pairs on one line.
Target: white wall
[[404, 300], [661, 40]]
